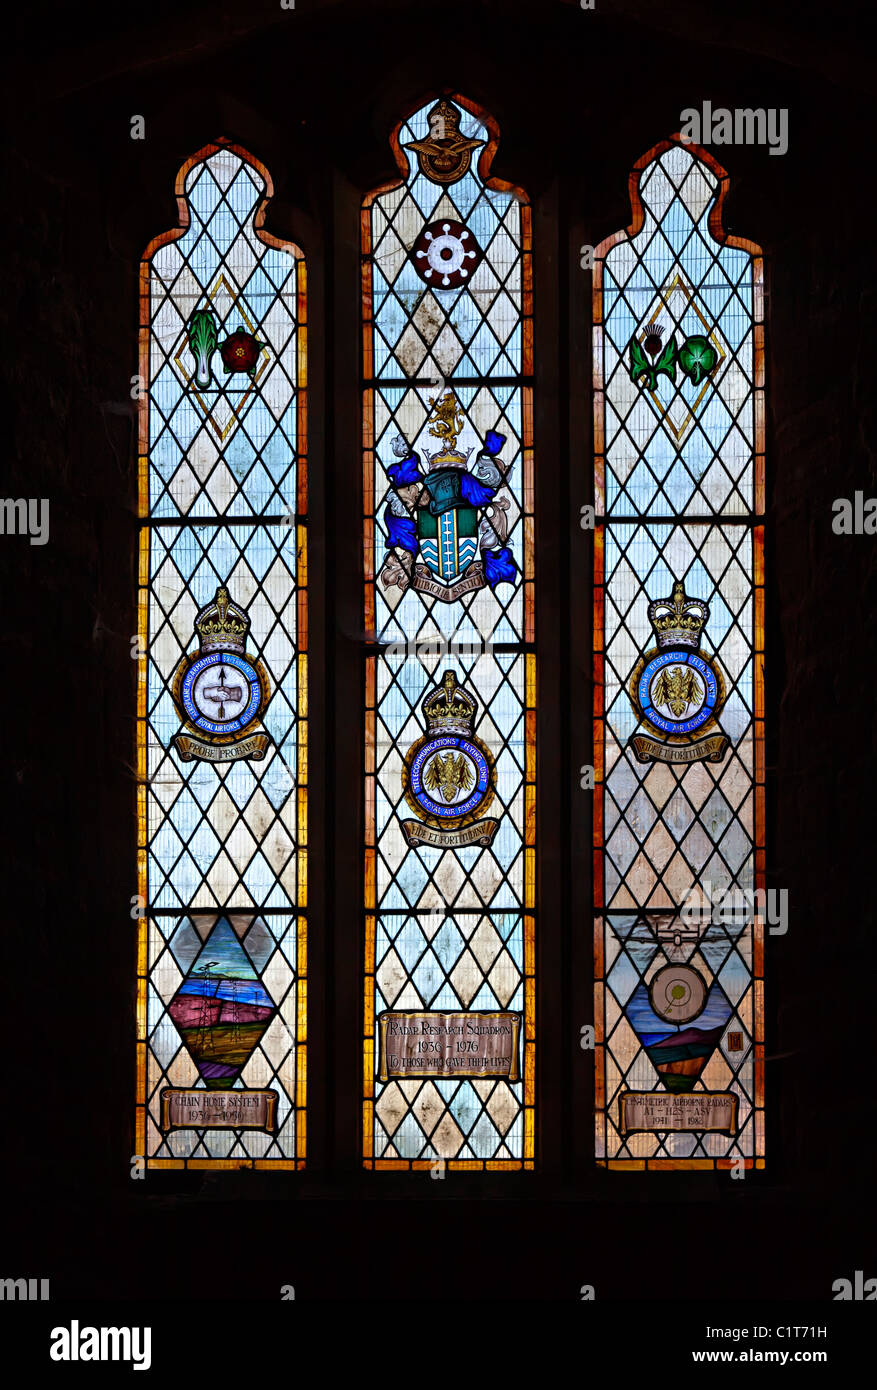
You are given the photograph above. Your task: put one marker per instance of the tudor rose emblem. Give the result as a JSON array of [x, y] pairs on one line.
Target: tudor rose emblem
[[449, 775], [676, 689], [221, 691]]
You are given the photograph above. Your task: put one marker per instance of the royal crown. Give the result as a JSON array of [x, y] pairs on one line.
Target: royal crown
[[447, 112], [221, 625], [678, 620], [450, 709]]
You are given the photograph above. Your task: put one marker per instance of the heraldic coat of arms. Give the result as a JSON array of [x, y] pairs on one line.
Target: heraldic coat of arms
[[446, 526], [221, 691]]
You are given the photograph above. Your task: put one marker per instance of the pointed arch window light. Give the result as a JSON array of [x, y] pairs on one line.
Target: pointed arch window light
[[222, 680], [450, 675], [679, 677]]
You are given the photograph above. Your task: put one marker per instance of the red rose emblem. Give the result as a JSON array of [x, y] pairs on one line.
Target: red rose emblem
[[240, 353]]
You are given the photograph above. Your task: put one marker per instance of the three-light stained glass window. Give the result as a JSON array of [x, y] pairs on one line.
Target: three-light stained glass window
[[678, 690], [450, 680], [449, 773], [222, 671]]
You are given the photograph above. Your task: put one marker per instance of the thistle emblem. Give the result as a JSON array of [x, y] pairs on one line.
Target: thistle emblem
[[697, 357], [676, 354]]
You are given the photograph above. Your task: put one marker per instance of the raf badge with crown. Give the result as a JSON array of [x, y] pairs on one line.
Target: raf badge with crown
[[221, 691], [676, 689], [449, 775]]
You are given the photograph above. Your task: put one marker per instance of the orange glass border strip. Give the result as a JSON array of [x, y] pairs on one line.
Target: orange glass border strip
[[451, 1165], [301, 400], [666, 1165], [758, 659], [301, 639]]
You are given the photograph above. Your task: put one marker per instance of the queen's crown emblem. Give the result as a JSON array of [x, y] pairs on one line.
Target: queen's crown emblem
[[449, 774], [678, 621], [221, 691]]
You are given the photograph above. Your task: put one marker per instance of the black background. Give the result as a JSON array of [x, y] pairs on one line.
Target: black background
[[313, 93]]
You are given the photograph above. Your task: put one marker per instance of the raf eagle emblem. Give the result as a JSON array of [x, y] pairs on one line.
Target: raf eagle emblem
[[677, 688], [449, 775]]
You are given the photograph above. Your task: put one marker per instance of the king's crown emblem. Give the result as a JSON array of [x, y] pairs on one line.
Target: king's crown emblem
[[449, 709], [678, 621], [221, 625]]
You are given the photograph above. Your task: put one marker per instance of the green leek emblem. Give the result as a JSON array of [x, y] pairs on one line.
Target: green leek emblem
[[203, 337]]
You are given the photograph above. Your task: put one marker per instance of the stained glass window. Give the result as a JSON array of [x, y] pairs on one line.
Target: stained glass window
[[450, 675], [222, 680], [678, 687]]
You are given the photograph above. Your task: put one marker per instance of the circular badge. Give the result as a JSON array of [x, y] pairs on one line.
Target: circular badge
[[678, 692], [677, 993], [449, 779], [446, 254], [221, 693]]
